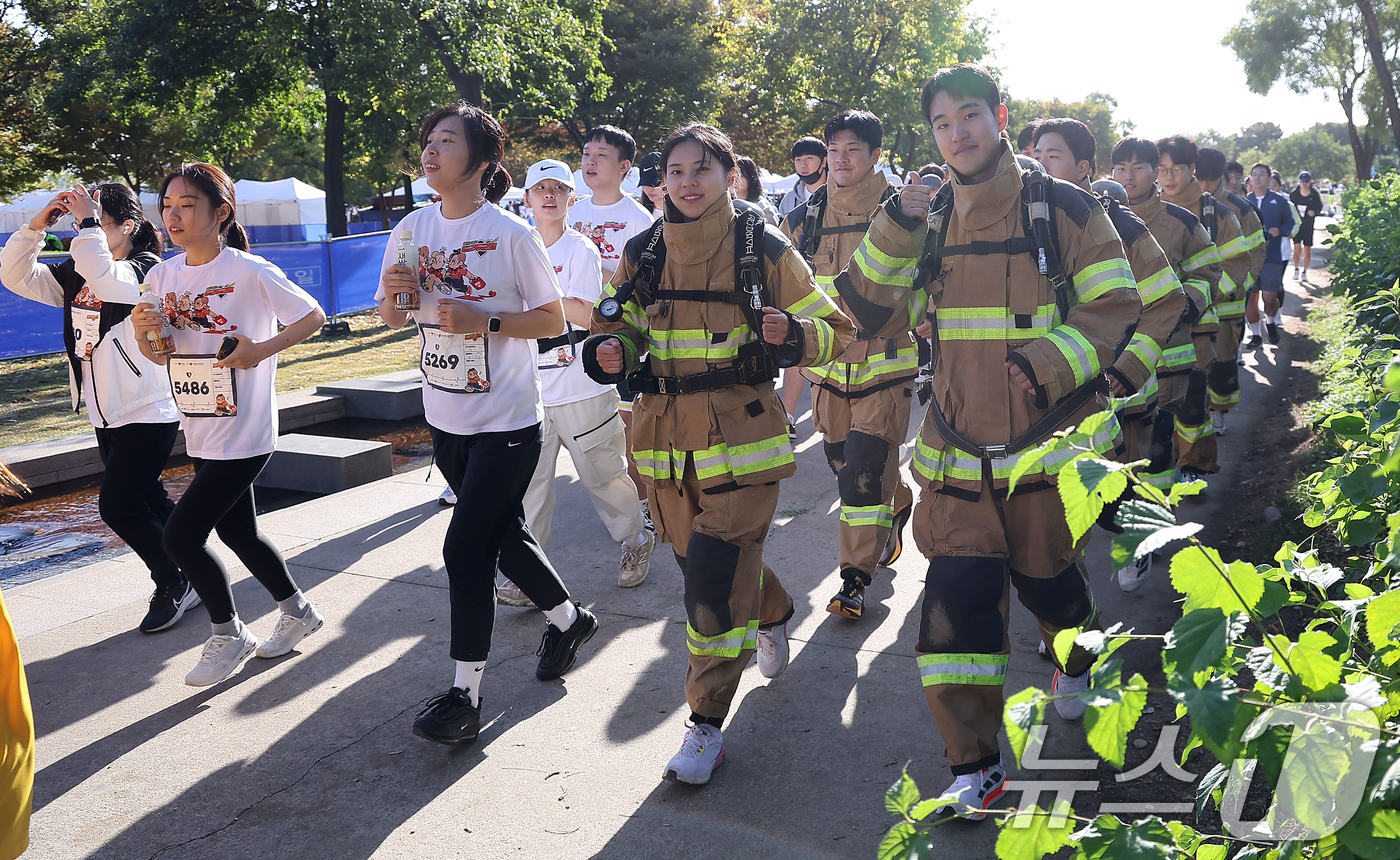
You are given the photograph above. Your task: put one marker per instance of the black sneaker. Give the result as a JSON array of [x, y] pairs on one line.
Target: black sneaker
[[167, 606], [449, 718], [1255, 341], [1273, 332], [894, 545], [849, 602], [558, 650]]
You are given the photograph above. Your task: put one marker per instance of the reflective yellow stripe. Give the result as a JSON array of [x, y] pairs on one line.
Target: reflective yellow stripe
[[1204, 257], [871, 515], [985, 670], [1231, 309], [1192, 435], [953, 463], [1147, 392], [672, 344], [905, 363], [1082, 357], [1158, 286], [1178, 357], [993, 323], [1091, 282], [1145, 350], [1202, 291], [727, 644], [881, 268], [1233, 248]]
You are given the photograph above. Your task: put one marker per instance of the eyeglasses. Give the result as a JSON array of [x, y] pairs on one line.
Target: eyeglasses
[[1178, 171]]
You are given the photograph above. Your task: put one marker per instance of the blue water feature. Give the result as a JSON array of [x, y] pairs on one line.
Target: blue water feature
[[342, 274]]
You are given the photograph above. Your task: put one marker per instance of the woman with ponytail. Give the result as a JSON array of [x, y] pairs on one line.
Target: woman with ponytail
[[130, 407], [216, 293]]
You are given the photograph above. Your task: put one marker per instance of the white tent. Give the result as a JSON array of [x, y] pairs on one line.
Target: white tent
[[775, 184], [421, 191], [284, 201], [22, 209]]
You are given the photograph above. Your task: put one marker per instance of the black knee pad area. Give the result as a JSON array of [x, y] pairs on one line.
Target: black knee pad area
[[1225, 377], [1062, 600], [710, 564], [861, 482], [835, 455], [1159, 453], [961, 611], [1193, 411]]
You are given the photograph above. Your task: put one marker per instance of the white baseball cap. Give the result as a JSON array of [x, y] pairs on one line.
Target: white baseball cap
[[549, 169]]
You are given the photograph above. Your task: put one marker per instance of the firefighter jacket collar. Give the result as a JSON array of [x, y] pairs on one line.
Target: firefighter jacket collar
[[859, 199], [1149, 208], [984, 204], [1189, 198], [690, 243]]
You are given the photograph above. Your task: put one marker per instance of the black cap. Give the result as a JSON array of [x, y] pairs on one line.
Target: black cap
[[808, 146], [649, 170], [1305, 176]]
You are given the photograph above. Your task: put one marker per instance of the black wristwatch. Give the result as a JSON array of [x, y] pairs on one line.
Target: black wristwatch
[[493, 325], [88, 222]]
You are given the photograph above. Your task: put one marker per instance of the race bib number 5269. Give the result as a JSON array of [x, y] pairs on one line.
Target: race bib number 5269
[[455, 362]]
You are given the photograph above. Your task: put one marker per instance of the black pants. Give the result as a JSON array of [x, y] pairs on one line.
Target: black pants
[[132, 501], [221, 498], [489, 472]]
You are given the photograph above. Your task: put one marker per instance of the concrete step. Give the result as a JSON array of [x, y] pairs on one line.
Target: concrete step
[[388, 397], [325, 464]]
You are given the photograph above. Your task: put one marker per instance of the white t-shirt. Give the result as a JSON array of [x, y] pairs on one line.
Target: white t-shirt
[[609, 226], [227, 414], [485, 384], [580, 273]]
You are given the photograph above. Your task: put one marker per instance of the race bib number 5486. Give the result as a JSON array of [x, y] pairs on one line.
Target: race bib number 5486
[[202, 390]]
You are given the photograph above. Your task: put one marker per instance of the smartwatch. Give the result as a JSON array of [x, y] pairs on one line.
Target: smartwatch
[[88, 222], [493, 325]]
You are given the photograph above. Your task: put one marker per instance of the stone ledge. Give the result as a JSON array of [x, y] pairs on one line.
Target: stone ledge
[[325, 464]]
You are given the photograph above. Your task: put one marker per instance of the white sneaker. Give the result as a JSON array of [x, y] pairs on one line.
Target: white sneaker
[[773, 651], [1296, 273], [973, 793], [289, 631], [1068, 685], [1217, 420], [509, 594], [636, 561], [221, 658], [448, 498], [1132, 577], [702, 752]]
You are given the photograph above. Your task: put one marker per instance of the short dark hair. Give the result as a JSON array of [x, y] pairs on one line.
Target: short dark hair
[[616, 138], [711, 139], [1181, 148], [486, 137], [807, 145], [1131, 149], [1027, 134], [1259, 164], [1210, 164], [963, 79], [748, 168], [1082, 144], [1234, 167], [932, 169], [862, 123]]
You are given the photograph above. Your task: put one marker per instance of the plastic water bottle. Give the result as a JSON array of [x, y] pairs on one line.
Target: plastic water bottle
[[162, 343], [407, 256]]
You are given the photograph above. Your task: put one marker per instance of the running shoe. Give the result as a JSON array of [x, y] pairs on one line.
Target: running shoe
[[1296, 273], [701, 754], [559, 649], [636, 561], [773, 651], [1067, 685], [222, 656], [1217, 420], [289, 631], [448, 498], [509, 594], [1186, 475], [1273, 332], [972, 794], [167, 607], [849, 602], [1131, 577], [449, 718], [1254, 342], [894, 544]]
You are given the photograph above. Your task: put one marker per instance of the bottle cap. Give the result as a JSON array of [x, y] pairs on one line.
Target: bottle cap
[[406, 235]]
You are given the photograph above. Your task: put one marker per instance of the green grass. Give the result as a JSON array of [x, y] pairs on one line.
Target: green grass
[[35, 405]]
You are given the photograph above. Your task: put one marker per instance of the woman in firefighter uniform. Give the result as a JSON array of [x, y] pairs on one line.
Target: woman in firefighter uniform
[[702, 312]]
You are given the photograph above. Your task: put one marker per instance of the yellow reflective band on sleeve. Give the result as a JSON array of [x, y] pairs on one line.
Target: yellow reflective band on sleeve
[[1201, 258], [1145, 350], [1144, 394], [983, 670], [1091, 282], [672, 344], [1231, 309], [905, 363], [1158, 286], [1163, 481], [633, 314], [826, 341], [828, 285], [1082, 357], [881, 267], [1255, 239], [871, 515], [1233, 248], [952, 463], [993, 323], [1178, 357], [1201, 290], [730, 643]]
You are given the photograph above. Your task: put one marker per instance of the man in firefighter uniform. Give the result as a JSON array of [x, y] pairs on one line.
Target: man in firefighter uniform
[[1180, 393], [703, 310], [1224, 383], [1018, 355], [1176, 174], [1067, 149], [861, 401]]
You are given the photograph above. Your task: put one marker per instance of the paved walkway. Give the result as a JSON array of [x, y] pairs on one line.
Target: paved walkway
[[310, 755]]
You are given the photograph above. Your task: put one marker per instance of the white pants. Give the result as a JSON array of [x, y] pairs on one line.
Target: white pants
[[592, 432]]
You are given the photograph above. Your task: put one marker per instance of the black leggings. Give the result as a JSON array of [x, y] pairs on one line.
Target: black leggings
[[221, 498], [132, 501], [489, 472]]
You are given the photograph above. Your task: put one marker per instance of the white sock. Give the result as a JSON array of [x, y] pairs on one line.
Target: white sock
[[636, 541], [1257, 328], [295, 606], [468, 678], [1277, 319], [228, 628], [562, 616]]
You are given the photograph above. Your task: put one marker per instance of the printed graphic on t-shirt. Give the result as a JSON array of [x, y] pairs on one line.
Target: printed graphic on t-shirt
[[599, 234], [86, 299], [445, 270], [193, 311]]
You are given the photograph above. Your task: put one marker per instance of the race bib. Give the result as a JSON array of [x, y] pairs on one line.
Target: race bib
[[558, 357], [455, 362], [202, 390], [85, 330]]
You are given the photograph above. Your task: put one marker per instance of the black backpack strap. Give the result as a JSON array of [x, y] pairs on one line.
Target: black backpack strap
[[812, 224], [1208, 216], [651, 261], [1038, 214]]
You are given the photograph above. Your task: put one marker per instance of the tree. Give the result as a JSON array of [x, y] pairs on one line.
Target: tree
[[24, 73], [1376, 48], [1295, 153], [1095, 111], [1308, 44], [1258, 136]]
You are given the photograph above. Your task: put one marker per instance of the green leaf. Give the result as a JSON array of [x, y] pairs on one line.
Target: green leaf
[[895, 845], [1181, 490], [902, 796], [1315, 668], [1110, 839], [1275, 597], [1196, 573], [1032, 459], [1382, 616], [1029, 836], [1064, 643], [1373, 834], [1212, 708], [1107, 727], [1211, 852], [1023, 710], [1200, 639], [1146, 528], [1082, 507], [1214, 778]]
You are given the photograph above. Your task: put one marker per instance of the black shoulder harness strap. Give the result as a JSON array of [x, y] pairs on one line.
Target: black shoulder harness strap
[[1208, 215], [813, 231]]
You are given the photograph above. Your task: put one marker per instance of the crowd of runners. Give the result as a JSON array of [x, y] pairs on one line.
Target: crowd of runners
[[665, 343]]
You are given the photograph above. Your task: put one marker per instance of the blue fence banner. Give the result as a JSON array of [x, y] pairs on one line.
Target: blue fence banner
[[342, 274]]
